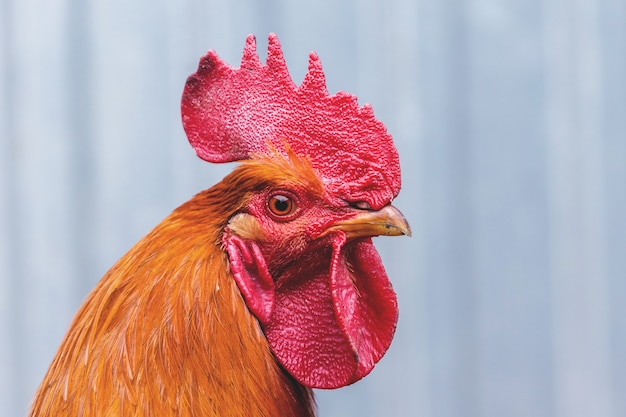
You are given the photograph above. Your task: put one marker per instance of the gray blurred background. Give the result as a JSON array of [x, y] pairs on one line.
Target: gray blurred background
[[510, 119]]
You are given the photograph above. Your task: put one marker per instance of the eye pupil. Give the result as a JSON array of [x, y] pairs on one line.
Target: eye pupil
[[281, 205]]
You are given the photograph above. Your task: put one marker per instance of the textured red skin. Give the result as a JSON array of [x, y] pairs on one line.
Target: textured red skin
[[330, 316], [328, 327], [367, 309], [230, 113], [251, 274]]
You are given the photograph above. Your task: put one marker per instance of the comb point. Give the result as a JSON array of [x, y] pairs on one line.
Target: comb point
[[275, 58], [209, 63], [367, 110], [250, 58], [315, 80]]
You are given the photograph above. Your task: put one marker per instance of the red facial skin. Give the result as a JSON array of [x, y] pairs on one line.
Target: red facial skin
[[324, 302]]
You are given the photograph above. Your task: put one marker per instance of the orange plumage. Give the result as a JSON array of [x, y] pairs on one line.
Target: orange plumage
[[166, 331], [258, 289]]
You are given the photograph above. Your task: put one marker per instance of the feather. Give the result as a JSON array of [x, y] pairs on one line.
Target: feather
[[154, 336]]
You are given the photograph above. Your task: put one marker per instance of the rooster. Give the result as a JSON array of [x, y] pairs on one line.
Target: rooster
[[260, 288]]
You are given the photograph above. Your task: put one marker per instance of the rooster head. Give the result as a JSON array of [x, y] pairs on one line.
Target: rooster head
[[317, 177]]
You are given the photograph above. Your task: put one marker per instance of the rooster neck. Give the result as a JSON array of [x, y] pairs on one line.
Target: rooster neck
[[166, 332]]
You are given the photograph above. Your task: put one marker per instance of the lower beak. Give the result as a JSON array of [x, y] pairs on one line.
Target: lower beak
[[387, 221]]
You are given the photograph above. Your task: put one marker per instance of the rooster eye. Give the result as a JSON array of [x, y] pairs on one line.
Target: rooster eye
[[281, 205], [361, 205]]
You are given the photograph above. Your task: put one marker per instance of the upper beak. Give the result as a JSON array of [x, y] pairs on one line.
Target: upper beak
[[387, 221]]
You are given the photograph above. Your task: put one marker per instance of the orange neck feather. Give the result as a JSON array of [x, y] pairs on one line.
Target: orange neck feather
[[166, 332]]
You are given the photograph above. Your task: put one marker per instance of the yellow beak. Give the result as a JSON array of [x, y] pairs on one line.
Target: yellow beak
[[387, 221]]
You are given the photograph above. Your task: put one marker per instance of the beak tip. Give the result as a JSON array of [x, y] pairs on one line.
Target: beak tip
[[388, 221], [405, 229]]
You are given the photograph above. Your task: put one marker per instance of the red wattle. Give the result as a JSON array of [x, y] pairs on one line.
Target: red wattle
[[329, 328], [365, 303]]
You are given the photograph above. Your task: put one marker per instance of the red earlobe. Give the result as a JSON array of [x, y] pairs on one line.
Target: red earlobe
[[251, 275]]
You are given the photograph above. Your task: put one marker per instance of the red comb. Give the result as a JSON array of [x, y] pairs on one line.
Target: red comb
[[231, 113]]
